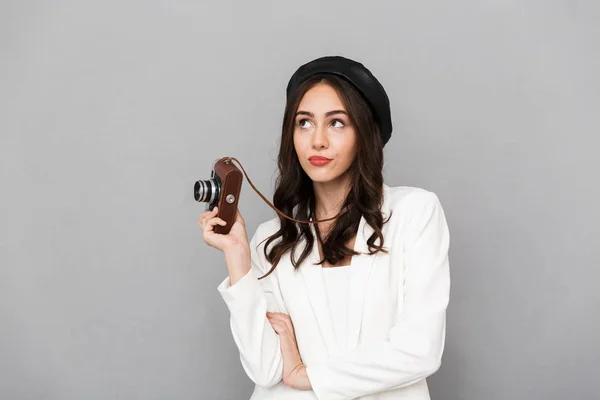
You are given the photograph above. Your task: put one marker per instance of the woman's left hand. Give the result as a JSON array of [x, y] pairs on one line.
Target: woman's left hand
[[294, 370]]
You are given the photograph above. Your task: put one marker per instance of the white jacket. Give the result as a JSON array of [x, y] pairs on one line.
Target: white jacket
[[397, 309]]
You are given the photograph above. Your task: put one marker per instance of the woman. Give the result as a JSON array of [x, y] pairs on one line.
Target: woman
[[353, 307]]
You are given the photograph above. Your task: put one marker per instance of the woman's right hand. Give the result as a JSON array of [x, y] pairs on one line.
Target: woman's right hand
[[236, 239]]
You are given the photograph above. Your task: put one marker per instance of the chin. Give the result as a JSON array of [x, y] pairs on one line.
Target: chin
[[324, 177], [323, 174], [320, 180]]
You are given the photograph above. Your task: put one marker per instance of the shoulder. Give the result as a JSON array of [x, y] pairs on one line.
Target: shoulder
[[413, 206], [410, 198], [417, 210]]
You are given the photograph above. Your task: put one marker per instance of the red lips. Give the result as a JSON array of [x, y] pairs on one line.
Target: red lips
[[319, 160]]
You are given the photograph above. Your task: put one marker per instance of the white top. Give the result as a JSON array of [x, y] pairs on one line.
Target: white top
[[336, 285], [380, 345]]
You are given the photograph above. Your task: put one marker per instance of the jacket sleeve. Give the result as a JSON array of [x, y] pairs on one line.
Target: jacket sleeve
[[415, 343], [248, 301]]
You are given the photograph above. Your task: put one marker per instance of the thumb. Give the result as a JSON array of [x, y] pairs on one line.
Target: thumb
[[238, 217]]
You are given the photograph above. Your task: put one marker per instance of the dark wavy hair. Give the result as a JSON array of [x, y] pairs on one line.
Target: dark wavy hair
[[294, 194]]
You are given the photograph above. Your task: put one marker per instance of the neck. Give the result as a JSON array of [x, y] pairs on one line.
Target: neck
[[330, 196]]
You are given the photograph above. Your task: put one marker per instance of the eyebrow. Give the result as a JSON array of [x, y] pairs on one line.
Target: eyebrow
[[327, 114]]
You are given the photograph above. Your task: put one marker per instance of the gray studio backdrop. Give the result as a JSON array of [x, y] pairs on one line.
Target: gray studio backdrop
[[110, 110]]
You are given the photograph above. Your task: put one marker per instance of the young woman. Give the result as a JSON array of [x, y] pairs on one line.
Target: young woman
[[349, 308]]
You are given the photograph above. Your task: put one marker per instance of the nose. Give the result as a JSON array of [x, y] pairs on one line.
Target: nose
[[319, 139]]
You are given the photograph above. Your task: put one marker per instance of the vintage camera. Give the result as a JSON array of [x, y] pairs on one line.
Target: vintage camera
[[221, 190]]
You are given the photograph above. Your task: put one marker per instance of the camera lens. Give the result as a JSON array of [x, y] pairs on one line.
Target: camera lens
[[207, 190]]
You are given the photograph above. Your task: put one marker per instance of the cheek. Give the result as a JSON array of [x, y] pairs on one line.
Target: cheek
[[300, 143], [349, 148]]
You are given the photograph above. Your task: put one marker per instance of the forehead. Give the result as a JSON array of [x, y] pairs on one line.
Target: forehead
[[321, 98]]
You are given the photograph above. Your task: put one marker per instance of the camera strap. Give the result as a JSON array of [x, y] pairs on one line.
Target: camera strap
[[229, 159]]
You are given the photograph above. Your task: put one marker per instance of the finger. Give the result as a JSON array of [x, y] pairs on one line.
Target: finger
[[277, 326], [208, 214], [288, 324], [204, 221], [280, 316], [284, 324], [276, 314], [205, 216], [283, 319], [201, 218], [279, 329], [212, 222]]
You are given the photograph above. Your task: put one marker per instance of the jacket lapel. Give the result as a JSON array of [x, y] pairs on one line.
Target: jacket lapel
[[360, 268]]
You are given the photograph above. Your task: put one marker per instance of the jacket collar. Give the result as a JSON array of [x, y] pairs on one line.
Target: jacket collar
[[360, 268]]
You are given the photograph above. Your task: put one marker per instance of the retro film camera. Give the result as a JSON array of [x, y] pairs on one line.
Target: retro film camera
[[221, 190]]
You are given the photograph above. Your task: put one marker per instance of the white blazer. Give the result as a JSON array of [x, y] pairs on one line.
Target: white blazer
[[397, 309]]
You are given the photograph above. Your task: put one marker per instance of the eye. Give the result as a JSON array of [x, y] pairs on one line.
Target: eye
[[340, 121], [301, 121]]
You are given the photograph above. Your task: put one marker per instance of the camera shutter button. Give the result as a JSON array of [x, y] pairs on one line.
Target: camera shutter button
[[230, 198]]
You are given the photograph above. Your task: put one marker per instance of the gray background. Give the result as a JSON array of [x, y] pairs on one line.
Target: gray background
[[110, 110]]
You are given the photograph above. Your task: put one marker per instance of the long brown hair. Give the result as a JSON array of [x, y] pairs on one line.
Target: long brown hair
[[294, 193]]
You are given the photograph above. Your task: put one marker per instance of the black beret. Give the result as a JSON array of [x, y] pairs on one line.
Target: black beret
[[359, 76]]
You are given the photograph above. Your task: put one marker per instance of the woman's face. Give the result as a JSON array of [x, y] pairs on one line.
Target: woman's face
[[322, 128]]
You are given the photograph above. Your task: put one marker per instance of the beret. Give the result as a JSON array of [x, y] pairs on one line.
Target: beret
[[356, 74]]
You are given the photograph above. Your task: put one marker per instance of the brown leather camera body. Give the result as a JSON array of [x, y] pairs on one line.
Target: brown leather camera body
[[231, 186]]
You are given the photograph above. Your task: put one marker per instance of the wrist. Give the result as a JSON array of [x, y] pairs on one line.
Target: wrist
[[238, 263], [237, 251]]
